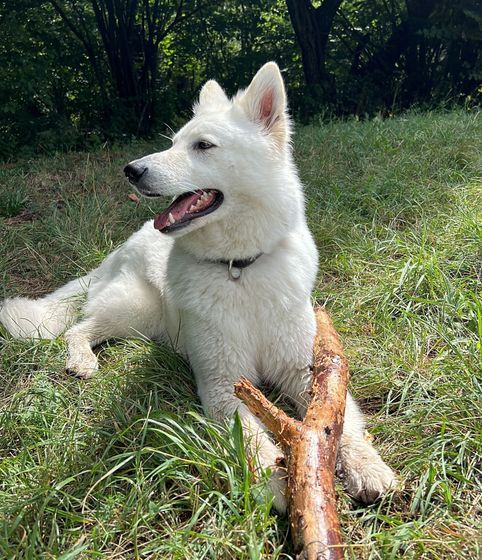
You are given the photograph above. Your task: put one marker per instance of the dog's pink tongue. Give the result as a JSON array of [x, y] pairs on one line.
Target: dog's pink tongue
[[178, 209]]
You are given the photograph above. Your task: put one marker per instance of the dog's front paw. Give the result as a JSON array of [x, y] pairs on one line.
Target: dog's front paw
[[277, 489], [366, 477], [82, 365], [272, 489], [269, 467]]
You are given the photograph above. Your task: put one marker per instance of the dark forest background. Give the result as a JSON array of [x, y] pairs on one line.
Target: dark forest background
[[78, 73]]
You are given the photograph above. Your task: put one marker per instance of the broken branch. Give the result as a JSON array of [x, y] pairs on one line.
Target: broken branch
[[310, 446]]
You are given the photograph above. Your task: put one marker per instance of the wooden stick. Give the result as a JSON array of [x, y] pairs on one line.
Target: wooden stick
[[310, 446]]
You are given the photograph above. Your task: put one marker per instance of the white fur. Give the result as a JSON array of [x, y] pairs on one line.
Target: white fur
[[165, 287]]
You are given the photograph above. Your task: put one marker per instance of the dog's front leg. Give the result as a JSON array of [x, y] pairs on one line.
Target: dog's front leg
[[259, 445], [126, 306], [217, 366]]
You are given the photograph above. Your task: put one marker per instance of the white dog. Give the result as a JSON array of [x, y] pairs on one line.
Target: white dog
[[225, 274]]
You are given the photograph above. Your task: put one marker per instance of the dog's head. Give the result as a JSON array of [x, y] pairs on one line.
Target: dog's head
[[229, 170]]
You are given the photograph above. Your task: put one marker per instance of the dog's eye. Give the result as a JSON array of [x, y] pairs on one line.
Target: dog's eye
[[203, 145]]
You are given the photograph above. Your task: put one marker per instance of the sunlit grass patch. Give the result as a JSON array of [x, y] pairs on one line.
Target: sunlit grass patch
[[125, 465]]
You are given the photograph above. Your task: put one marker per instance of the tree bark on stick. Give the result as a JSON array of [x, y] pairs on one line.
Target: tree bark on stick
[[310, 446]]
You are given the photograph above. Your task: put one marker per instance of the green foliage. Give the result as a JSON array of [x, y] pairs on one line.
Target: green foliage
[[390, 56], [79, 73], [46, 84]]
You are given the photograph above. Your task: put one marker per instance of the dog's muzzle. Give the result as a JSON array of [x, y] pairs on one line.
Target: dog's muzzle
[[134, 172]]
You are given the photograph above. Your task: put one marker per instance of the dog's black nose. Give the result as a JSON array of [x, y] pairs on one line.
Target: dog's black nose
[[134, 172]]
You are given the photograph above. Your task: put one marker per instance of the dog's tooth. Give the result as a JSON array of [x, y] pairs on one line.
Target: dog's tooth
[[171, 218], [192, 208]]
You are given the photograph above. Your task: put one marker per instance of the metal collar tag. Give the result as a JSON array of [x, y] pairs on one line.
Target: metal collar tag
[[234, 272]]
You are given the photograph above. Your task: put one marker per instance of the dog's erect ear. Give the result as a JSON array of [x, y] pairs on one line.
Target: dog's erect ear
[[211, 95], [264, 102]]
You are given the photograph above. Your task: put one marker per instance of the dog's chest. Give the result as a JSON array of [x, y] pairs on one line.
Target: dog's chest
[[263, 312], [208, 290]]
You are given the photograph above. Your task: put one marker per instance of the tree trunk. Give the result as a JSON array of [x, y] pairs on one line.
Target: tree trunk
[[403, 56], [312, 27], [418, 84]]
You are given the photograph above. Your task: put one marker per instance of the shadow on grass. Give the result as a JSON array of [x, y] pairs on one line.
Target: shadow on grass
[[127, 452]]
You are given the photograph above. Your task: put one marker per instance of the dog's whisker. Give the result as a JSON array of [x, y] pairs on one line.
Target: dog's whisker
[[173, 132], [165, 136]]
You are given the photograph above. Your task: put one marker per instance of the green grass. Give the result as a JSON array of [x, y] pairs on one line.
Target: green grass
[[126, 466]]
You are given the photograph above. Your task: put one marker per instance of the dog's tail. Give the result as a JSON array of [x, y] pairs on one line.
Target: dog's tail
[[46, 317]]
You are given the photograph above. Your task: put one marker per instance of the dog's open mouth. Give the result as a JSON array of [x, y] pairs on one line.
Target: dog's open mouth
[[186, 208]]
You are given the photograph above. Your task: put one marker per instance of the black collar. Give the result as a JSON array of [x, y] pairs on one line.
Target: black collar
[[240, 263], [235, 266]]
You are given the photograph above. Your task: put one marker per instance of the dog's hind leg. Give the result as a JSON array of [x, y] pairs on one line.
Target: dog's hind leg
[[363, 472], [127, 306], [81, 338]]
